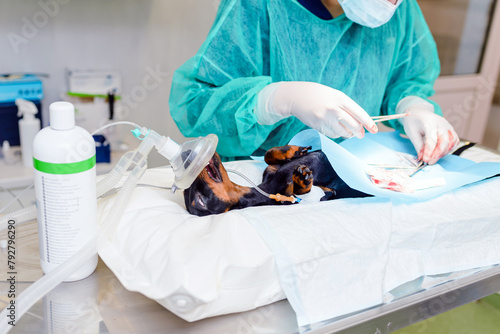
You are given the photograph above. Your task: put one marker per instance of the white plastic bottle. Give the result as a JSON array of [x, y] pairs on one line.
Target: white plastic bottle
[[29, 126], [65, 188]]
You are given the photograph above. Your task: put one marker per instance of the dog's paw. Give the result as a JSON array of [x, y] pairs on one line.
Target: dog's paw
[[302, 179], [303, 150], [304, 172], [330, 194]]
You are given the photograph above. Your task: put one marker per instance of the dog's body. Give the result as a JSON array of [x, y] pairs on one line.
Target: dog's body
[[292, 170]]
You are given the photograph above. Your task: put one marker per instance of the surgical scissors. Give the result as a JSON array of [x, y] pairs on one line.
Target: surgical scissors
[[420, 166]]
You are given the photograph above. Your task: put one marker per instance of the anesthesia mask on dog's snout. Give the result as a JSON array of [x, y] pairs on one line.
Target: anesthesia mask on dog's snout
[[188, 159]]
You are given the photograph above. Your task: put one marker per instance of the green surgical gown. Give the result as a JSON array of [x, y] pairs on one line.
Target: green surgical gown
[[253, 43]]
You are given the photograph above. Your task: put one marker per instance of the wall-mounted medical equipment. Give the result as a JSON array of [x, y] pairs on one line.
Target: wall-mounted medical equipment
[[97, 100], [95, 95]]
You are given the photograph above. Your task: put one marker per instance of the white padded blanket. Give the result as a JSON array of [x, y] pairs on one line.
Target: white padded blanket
[[199, 267]]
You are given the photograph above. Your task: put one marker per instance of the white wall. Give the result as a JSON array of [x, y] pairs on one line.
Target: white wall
[[135, 37]]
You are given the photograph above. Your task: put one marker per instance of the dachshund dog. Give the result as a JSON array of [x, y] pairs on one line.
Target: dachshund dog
[[292, 170]]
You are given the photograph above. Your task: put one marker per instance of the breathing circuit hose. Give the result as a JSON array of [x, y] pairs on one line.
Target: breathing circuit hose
[[20, 216], [50, 280]]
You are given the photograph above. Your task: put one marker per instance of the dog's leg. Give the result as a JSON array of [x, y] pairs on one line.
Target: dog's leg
[[269, 172], [283, 154], [278, 179]]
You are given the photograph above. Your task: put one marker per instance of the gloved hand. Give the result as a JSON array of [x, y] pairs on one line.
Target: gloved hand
[[320, 107], [431, 134]]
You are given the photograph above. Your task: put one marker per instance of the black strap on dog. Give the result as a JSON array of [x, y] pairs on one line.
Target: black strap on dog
[[460, 150], [466, 147]]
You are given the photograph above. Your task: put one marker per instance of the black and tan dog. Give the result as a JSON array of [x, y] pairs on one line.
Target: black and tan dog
[[292, 170]]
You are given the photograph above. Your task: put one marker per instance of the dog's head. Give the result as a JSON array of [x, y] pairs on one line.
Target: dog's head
[[212, 192]]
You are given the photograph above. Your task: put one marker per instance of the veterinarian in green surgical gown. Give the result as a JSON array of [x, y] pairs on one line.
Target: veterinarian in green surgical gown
[[271, 68]]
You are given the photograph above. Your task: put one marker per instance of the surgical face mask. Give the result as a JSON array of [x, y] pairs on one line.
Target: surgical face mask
[[369, 13]]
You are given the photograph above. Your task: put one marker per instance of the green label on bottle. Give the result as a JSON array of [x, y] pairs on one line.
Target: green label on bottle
[[70, 168]]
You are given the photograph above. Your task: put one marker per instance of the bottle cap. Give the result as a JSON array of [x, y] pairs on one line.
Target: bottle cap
[[62, 116]]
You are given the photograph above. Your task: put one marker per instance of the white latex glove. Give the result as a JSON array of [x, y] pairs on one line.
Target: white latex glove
[[431, 134], [320, 107]]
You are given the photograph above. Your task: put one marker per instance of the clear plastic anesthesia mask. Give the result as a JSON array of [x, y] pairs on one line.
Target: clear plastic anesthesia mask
[[187, 160]]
